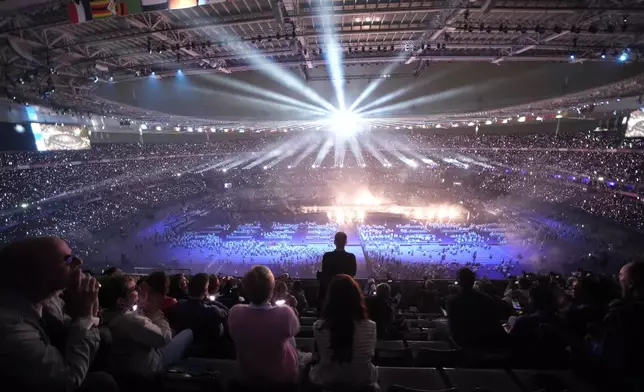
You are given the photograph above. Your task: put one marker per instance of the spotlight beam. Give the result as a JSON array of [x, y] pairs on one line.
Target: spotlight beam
[[262, 92], [402, 91], [261, 103], [308, 151], [264, 158], [281, 75], [370, 147], [209, 167], [463, 90], [391, 147], [333, 52], [355, 150], [420, 100], [376, 83], [340, 150], [238, 162], [290, 148], [326, 147]]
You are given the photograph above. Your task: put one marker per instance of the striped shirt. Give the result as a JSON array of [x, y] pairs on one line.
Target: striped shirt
[[360, 371]]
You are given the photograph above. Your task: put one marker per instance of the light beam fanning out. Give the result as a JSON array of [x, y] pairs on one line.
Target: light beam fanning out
[[332, 51], [345, 123]]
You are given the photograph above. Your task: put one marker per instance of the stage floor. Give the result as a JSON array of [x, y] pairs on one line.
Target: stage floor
[[210, 249]]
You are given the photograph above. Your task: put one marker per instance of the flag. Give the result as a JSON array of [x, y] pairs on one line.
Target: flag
[[106, 9], [131, 7], [178, 4], [79, 11], [154, 5]]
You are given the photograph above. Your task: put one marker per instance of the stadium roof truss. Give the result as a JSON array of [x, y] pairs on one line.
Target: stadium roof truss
[[43, 52]]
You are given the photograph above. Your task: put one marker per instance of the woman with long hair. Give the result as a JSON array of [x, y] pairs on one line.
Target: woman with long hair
[[345, 337]]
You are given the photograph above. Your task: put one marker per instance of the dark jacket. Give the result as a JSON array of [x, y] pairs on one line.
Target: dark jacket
[[474, 321], [381, 312], [205, 319], [622, 348], [334, 263]]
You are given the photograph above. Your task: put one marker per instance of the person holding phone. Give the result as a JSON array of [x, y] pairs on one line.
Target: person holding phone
[[381, 311], [142, 342], [263, 334], [282, 295]]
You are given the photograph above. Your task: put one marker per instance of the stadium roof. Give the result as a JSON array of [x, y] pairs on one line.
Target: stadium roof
[[48, 58]]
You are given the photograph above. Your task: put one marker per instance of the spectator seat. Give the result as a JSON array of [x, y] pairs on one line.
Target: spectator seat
[[398, 388], [394, 357], [307, 320], [424, 379], [493, 380], [534, 380], [429, 357], [305, 344]]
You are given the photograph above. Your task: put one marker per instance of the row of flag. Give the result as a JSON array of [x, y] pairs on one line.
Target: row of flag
[[85, 10]]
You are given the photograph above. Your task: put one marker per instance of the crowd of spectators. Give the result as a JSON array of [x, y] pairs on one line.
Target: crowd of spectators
[[94, 195], [64, 330]]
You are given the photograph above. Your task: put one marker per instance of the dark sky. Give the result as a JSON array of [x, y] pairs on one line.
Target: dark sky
[[446, 88]]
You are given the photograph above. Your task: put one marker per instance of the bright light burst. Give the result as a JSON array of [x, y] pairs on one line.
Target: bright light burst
[[345, 123]]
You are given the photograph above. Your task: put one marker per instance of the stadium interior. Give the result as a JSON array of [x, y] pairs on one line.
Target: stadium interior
[[492, 142]]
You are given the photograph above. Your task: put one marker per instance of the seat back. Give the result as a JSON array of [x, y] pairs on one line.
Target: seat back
[[394, 357], [427, 357], [398, 388], [238, 386]]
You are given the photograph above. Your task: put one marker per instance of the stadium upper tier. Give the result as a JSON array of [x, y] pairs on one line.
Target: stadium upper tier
[[564, 164], [238, 60], [592, 142]]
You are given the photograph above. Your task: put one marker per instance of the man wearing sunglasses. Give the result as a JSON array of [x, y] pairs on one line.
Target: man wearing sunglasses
[[34, 270]]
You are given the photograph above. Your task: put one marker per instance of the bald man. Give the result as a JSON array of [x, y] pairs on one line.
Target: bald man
[[33, 270], [334, 263]]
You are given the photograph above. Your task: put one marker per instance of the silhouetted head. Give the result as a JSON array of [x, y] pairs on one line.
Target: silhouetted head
[[340, 240], [37, 267], [466, 278], [198, 286]]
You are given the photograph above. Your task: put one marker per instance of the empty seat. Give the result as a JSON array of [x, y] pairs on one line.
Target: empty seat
[[493, 380], [424, 323], [430, 344], [307, 320], [309, 313], [397, 357], [227, 368], [414, 315], [305, 344], [239, 386], [417, 335], [389, 345], [556, 380], [426, 379], [398, 388], [306, 331], [438, 358]]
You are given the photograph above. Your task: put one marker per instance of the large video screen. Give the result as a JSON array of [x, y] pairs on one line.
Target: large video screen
[[50, 137], [635, 126]]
